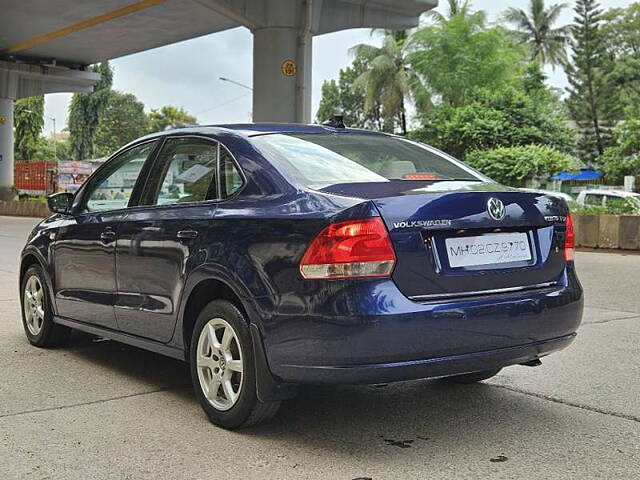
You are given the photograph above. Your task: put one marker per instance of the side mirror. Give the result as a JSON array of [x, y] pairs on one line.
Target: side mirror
[[60, 202]]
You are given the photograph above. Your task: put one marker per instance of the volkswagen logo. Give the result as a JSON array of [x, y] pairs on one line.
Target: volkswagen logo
[[495, 208]]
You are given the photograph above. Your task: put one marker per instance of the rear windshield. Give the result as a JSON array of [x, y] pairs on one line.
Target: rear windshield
[[319, 159]]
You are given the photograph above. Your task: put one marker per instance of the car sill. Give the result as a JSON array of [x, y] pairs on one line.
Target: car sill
[[122, 337]]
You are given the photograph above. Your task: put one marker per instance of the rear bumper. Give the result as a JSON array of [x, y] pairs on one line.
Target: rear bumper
[[427, 368], [369, 332]]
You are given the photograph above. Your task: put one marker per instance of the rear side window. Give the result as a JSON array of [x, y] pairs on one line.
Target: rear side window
[[188, 171], [325, 159], [593, 199], [615, 201], [230, 179]]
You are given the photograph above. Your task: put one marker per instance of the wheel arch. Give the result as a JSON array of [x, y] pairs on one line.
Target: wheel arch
[[30, 258], [203, 292], [27, 260], [268, 387]]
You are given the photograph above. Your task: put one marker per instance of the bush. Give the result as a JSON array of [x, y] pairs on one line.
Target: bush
[[503, 118], [513, 165], [627, 207]]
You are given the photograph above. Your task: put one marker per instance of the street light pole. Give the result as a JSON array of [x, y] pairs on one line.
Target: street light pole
[[55, 141], [224, 79]]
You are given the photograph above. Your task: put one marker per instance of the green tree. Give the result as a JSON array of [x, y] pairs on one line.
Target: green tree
[[169, 117], [84, 113], [28, 122], [460, 56], [331, 102], [591, 99], [505, 117], [621, 34], [535, 28], [122, 120], [347, 98], [44, 149], [457, 9], [623, 157], [387, 80]]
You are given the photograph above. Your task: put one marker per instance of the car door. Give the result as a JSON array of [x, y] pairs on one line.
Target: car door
[[161, 242], [84, 248]]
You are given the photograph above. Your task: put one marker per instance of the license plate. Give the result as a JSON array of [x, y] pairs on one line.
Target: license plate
[[490, 249]]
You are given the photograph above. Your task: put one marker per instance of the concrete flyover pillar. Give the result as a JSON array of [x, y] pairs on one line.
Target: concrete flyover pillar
[[20, 80], [282, 75], [6, 148]]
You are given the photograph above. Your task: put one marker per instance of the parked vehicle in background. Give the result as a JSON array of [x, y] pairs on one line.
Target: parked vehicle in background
[[609, 199], [72, 174], [39, 178], [565, 196], [272, 255], [35, 178]]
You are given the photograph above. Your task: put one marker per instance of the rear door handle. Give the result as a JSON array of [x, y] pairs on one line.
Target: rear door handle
[[108, 236], [187, 234]]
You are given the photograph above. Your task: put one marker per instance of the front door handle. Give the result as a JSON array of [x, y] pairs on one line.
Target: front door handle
[[187, 234], [108, 236]]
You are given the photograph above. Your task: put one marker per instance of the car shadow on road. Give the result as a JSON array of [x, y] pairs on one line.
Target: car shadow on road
[[155, 371], [415, 414], [408, 415]]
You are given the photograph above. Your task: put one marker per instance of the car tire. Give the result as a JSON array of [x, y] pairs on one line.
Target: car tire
[[473, 377], [223, 368], [37, 314]]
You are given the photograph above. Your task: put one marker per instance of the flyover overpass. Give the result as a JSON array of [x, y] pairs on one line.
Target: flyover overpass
[[46, 46]]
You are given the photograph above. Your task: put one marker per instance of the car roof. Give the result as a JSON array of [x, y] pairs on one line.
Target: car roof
[[248, 130], [253, 129]]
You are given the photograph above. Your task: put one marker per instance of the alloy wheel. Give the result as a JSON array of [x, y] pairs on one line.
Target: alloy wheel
[[34, 305], [219, 362]]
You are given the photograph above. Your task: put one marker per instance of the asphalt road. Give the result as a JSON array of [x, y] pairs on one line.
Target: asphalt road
[[97, 409]]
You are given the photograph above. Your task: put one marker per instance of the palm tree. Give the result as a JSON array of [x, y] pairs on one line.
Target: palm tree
[[388, 82], [457, 8], [535, 28]]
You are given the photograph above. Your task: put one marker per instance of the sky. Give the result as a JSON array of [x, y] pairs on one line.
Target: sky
[[186, 74]]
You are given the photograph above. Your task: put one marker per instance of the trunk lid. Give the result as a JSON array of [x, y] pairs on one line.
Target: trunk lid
[[447, 243]]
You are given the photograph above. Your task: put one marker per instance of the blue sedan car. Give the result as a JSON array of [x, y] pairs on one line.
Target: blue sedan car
[[270, 256]]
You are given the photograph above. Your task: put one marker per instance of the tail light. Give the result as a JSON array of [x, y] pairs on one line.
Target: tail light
[[569, 240], [356, 248]]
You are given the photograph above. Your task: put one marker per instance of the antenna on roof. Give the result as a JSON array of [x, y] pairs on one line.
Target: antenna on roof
[[337, 121]]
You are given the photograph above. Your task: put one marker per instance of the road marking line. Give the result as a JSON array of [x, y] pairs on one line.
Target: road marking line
[[94, 402], [567, 403]]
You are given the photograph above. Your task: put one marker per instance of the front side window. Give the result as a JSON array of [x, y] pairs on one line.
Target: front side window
[[114, 183], [325, 159], [188, 171]]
